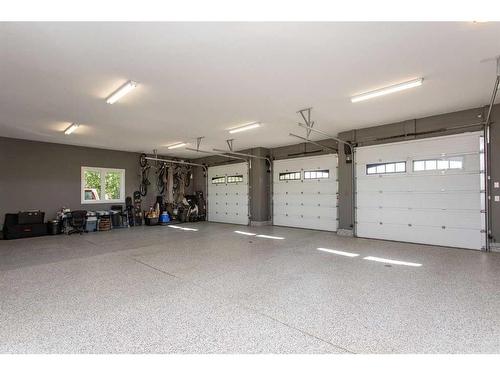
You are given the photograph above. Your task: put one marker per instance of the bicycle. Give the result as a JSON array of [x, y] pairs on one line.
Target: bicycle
[[161, 179], [145, 167]]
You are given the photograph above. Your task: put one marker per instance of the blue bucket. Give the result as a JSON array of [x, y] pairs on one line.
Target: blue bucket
[[164, 218]]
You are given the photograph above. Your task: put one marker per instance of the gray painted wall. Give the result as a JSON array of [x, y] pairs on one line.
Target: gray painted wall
[[46, 176], [495, 173]]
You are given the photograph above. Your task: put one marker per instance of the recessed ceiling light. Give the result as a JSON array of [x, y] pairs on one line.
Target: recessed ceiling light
[[387, 90], [177, 145], [70, 129], [243, 128], [121, 91]]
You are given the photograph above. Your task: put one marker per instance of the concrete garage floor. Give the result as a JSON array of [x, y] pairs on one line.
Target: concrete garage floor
[[167, 290]]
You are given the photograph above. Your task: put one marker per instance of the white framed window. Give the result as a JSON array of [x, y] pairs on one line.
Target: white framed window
[[234, 179], [386, 168], [455, 162], [287, 176], [102, 185], [219, 180], [313, 175]]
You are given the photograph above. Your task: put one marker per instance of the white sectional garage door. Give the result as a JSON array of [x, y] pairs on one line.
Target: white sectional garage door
[[428, 191], [228, 193], [305, 192]]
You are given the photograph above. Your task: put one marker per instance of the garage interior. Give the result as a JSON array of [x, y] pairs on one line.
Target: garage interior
[[250, 187]]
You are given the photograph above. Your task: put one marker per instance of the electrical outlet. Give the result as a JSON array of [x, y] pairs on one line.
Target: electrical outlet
[[496, 184], [497, 198]]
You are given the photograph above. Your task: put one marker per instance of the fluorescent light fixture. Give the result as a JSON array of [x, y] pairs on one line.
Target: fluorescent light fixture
[[177, 145], [271, 237], [121, 91], [387, 90], [243, 128], [391, 261], [244, 233], [70, 129], [338, 252]]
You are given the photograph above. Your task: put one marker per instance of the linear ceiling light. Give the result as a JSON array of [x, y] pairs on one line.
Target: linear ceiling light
[[243, 128], [177, 145], [121, 91], [70, 129], [387, 90]]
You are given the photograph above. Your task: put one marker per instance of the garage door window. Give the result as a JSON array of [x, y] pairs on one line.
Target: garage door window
[[102, 185], [438, 164], [219, 180], [234, 179], [286, 176], [313, 175], [386, 168]]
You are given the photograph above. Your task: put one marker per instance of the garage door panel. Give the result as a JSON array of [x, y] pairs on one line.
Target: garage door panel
[[435, 207], [321, 223], [310, 199], [438, 218], [445, 200], [465, 238], [306, 203], [314, 211], [448, 182], [228, 202]]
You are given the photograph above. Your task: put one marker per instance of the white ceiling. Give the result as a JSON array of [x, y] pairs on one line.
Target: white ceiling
[[199, 79]]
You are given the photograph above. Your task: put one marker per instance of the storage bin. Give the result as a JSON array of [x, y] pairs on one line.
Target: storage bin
[[54, 227], [91, 224], [151, 221]]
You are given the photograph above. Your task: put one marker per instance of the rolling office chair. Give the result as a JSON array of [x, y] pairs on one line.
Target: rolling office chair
[[77, 221]]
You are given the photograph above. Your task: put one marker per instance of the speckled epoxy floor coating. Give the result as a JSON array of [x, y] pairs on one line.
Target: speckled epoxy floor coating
[[166, 290]]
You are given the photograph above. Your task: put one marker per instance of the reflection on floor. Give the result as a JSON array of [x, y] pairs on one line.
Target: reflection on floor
[[233, 289]]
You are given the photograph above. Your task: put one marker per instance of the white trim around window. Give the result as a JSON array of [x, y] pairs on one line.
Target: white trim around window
[[89, 195]]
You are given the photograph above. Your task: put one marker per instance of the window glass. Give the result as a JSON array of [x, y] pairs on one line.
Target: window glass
[[386, 168], [289, 176], [438, 164], [92, 185], [401, 166], [310, 175], [456, 164], [112, 181], [442, 164], [218, 180], [234, 179], [102, 185], [419, 165], [390, 168], [430, 165]]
